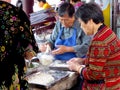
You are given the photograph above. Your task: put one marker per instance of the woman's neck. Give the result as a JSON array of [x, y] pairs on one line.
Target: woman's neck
[[73, 20], [96, 27]]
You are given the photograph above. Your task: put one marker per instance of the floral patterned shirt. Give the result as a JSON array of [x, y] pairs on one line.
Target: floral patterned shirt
[[15, 36]]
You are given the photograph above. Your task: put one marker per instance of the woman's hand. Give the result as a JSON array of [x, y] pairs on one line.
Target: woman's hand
[[78, 60], [29, 54], [75, 64], [62, 49]]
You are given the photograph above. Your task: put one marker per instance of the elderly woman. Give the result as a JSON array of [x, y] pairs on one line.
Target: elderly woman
[[67, 39], [101, 68], [16, 39]]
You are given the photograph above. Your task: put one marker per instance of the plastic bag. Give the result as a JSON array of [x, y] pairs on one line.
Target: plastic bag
[[46, 58]]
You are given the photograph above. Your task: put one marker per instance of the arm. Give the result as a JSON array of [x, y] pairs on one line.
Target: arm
[[100, 55], [25, 37], [93, 70], [96, 62], [63, 49], [50, 41], [54, 35], [82, 43]]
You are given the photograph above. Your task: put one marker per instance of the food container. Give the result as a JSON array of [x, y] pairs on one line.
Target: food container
[[46, 80], [46, 59]]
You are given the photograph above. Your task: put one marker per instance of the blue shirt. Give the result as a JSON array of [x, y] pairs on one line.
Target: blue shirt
[[82, 40]]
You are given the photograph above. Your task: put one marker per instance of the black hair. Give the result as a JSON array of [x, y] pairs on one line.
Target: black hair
[[44, 1], [89, 11], [66, 8]]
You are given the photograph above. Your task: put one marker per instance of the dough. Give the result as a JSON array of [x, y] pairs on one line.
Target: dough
[[41, 78]]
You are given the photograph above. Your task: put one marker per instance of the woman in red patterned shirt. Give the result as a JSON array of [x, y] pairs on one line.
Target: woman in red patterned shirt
[[101, 67]]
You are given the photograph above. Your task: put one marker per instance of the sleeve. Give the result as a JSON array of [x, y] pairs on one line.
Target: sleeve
[[46, 6], [26, 36], [54, 34], [97, 60], [83, 42]]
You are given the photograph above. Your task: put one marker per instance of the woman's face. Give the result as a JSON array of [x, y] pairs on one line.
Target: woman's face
[[87, 27], [40, 4], [66, 21]]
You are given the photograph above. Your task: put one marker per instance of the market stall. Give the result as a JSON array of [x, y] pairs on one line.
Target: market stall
[[47, 73]]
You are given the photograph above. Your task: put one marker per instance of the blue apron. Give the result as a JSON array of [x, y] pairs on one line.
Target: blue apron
[[67, 42]]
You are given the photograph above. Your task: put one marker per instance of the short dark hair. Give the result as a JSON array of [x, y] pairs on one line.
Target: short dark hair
[[89, 11], [66, 8], [44, 1]]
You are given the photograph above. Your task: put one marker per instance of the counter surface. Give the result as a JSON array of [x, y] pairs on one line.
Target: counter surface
[[63, 80]]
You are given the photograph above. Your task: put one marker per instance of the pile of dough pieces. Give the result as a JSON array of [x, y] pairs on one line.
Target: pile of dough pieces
[[41, 78]]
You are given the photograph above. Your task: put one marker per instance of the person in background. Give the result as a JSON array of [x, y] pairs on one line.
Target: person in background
[[16, 39], [67, 39], [101, 68], [76, 3], [43, 4]]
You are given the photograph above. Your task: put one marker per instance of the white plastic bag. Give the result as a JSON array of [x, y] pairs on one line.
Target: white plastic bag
[[46, 58]]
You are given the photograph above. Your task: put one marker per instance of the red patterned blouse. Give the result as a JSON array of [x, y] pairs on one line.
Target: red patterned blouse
[[102, 71]]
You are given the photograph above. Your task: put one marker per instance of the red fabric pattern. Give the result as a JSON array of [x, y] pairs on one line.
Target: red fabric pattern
[[103, 61]]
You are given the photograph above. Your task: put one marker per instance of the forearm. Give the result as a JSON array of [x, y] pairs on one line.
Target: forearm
[[70, 49], [80, 50], [82, 45], [94, 70]]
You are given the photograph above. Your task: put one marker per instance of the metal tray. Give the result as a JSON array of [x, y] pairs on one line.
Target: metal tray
[[58, 76], [61, 67]]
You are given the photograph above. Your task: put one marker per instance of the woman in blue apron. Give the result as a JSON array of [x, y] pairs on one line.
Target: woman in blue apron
[[67, 39]]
